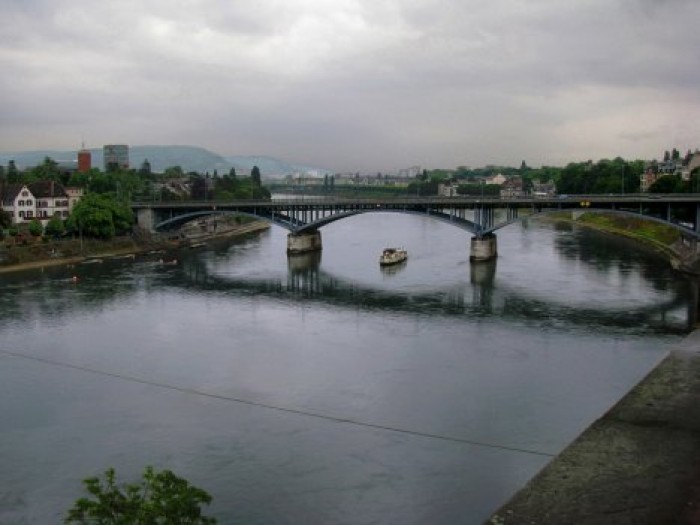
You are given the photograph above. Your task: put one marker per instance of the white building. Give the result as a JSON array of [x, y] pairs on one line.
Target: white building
[[18, 202], [497, 179], [410, 173], [50, 200], [447, 190]]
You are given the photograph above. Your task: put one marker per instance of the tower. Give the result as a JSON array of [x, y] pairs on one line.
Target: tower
[[84, 160], [116, 156]]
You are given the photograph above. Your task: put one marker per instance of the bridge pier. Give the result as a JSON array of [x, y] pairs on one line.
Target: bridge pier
[[483, 248], [304, 242], [145, 219]]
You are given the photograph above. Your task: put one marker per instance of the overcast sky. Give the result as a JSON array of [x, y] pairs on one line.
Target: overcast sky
[[355, 84]]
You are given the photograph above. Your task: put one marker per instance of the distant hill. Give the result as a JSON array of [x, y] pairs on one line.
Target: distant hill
[[271, 167], [189, 158]]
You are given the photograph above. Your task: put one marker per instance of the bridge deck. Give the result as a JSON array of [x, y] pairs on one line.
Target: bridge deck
[[477, 215]]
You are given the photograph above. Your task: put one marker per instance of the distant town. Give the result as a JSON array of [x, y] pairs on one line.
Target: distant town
[[46, 194]]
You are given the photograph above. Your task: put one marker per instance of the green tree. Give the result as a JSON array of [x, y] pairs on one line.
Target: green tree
[[255, 177], [36, 228], [47, 170], [55, 227], [101, 183], [605, 176], [145, 169], [198, 187], [667, 184], [173, 172], [13, 174], [160, 498], [83, 180], [423, 188], [127, 183], [100, 216], [5, 219]]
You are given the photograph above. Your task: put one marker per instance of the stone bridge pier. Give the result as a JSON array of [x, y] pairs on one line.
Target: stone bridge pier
[[483, 248], [687, 256], [304, 242], [145, 218]]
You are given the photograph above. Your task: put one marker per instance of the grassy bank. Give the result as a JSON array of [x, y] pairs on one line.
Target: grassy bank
[[40, 253], [661, 238]]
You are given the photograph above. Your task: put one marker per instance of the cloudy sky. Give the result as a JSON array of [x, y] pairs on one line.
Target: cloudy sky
[[355, 84]]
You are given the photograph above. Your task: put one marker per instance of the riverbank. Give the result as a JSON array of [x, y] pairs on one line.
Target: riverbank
[[638, 464], [76, 251], [664, 240]]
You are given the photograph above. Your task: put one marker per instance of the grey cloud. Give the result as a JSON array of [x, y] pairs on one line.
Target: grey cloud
[[382, 84]]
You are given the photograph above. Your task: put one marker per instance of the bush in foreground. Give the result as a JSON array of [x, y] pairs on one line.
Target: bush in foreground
[[159, 498]]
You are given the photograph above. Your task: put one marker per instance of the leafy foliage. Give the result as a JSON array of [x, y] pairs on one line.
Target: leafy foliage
[[173, 172], [604, 176], [36, 228], [5, 219], [55, 227], [101, 216], [667, 184], [123, 184], [160, 498], [13, 174], [47, 170], [479, 189], [231, 187], [255, 177]]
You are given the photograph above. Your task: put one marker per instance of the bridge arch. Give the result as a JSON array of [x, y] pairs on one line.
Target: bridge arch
[[460, 222], [602, 211], [179, 220], [304, 218], [298, 227]]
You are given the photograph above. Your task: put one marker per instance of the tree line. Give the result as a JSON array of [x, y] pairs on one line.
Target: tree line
[[104, 211]]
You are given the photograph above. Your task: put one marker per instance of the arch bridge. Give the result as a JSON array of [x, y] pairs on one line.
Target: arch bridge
[[482, 217]]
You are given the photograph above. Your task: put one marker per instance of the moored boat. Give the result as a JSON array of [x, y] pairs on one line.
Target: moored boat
[[392, 256]]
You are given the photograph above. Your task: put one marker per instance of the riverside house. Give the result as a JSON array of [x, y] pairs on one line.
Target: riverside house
[[51, 200], [19, 202], [41, 200]]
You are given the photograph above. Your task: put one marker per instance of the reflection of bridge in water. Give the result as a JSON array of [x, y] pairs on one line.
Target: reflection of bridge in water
[[482, 297]]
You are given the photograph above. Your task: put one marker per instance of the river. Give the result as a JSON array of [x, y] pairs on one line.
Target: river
[[325, 389]]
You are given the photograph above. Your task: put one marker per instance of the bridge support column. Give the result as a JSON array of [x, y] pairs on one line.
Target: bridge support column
[[145, 219], [304, 242], [483, 248]]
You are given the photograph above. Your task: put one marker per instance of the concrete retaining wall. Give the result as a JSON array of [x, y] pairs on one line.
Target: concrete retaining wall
[[638, 464]]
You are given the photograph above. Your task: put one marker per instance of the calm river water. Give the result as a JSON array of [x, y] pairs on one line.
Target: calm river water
[[326, 390]]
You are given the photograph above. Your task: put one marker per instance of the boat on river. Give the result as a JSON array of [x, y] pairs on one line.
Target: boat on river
[[392, 256]]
